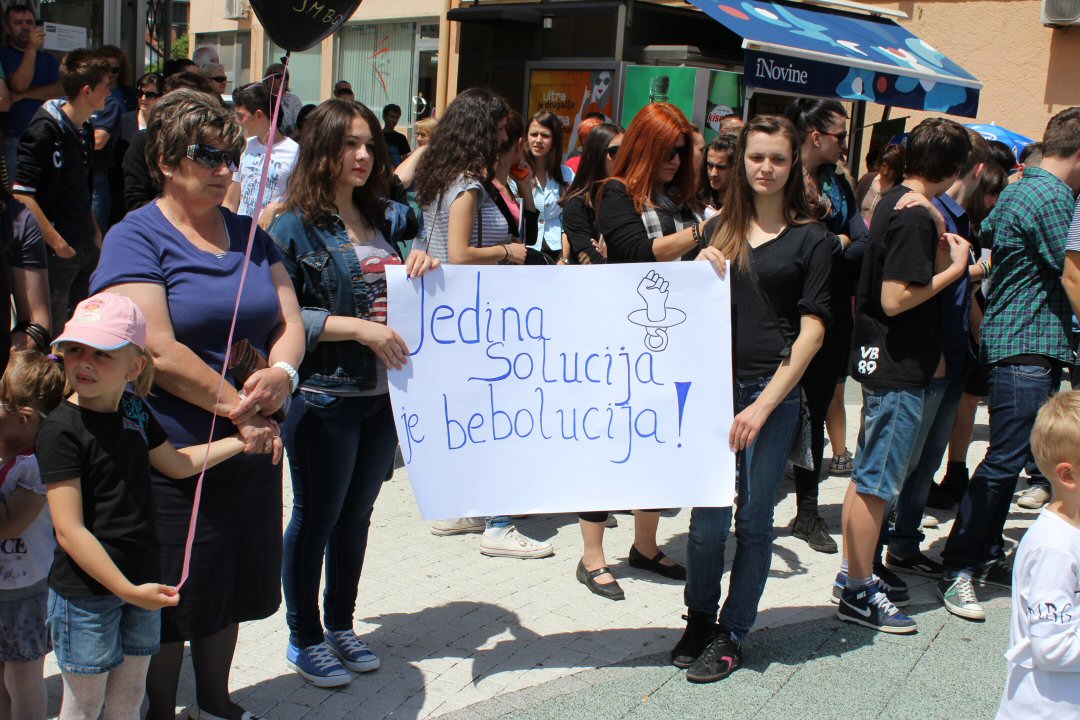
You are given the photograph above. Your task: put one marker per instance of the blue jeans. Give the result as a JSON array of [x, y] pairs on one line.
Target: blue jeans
[[892, 422], [339, 451], [1016, 393], [760, 470], [102, 200], [11, 155], [91, 635], [939, 410]]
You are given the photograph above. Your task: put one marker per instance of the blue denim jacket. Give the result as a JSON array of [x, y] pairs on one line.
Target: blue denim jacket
[[328, 280]]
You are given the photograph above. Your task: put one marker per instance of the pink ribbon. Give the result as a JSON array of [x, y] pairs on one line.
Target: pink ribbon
[[232, 326]]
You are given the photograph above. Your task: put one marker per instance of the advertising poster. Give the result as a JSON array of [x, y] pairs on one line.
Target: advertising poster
[[572, 94], [657, 83], [725, 98], [515, 402]]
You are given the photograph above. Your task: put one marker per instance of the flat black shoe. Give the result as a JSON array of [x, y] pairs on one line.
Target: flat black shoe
[[700, 631], [941, 497], [722, 657], [587, 577], [815, 532], [639, 561]]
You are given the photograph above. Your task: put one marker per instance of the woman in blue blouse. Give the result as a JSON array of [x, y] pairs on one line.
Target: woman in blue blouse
[[339, 233], [550, 179]]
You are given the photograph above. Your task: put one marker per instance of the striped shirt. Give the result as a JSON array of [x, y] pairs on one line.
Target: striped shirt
[[436, 237], [1073, 243], [1027, 311]]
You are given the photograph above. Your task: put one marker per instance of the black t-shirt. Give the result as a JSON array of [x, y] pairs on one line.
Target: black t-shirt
[[398, 145], [901, 351], [793, 272], [54, 167], [109, 453], [622, 227], [579, 224]]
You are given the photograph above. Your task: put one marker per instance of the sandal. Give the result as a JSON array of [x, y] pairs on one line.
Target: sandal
[[610, 590], [639, 561]]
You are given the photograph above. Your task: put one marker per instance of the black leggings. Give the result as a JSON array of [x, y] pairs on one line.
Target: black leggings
[[819, 383], [600, 516]]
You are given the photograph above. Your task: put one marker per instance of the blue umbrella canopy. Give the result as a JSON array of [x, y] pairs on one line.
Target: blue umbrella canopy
[[1014, 140]]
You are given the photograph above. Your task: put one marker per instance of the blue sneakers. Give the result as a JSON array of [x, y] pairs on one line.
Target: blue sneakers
[[317, 665], [898, 596], [352, 651], [870, 607]]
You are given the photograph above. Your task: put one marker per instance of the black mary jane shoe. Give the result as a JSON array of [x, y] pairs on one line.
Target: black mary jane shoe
[[610, 590], [639, 561]]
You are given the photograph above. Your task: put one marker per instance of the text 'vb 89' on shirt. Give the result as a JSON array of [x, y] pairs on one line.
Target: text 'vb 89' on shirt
[[901, 351]]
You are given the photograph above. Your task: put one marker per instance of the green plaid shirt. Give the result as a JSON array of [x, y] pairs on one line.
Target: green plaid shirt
[[1028, 312]]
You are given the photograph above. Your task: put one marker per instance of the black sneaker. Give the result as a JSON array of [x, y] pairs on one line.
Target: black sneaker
[[722, 657], [870, 608], [891, 579], [919, 564], [996, 574], [815, 532], [700, 631]]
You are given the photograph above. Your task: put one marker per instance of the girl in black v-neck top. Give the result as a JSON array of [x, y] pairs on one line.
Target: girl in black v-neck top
[[780, 261]]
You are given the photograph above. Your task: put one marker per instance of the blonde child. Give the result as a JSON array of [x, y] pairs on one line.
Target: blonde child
[[96, 450], [1044, 642], [31, 387]]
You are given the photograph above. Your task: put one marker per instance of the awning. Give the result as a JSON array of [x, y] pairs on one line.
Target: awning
[[812, 51]]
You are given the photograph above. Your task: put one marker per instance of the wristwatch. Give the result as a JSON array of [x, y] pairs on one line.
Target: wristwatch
[[294, 379]]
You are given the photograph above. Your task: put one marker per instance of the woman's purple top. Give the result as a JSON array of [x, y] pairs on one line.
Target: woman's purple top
[[200, 288]]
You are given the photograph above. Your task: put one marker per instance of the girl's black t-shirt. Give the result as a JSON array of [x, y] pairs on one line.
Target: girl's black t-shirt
[[109, 454], [793, 271]]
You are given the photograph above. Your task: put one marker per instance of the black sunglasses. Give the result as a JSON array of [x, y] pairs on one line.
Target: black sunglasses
[[612, 151], [211, 157], [148, 94], [679, 150], [219, 78]]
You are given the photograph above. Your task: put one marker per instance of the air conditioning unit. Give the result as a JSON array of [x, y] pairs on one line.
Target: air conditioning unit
[[236, 9], [1060, 13]]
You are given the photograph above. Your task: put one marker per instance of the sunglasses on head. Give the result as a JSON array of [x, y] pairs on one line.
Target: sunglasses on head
[[148, 94], [679, 150], [612, 151], [211, 157]]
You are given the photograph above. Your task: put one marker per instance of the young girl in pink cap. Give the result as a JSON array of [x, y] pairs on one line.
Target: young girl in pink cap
[[95, 453]]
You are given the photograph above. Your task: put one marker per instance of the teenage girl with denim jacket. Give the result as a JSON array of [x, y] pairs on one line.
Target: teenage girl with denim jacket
[[338, 233]]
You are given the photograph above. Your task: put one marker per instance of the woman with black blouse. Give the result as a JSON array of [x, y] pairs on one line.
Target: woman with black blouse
[[780, 263], [579, 214]]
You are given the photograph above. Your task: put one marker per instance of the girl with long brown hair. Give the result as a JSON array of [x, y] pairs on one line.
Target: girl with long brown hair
[[780, 262], [549, 180], [339, 233]]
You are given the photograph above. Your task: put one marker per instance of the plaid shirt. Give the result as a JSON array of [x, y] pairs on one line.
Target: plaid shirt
[[1028, 312]]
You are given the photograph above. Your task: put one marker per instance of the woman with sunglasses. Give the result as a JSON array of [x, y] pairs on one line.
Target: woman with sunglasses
[[647, 212], [148, 90], [181, 259], [780, 261], [822, 127], [596, 163], [215, 73]]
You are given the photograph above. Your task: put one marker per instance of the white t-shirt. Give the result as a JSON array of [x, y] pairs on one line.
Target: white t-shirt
[[1044, 641], [25, 560], [282, 161]]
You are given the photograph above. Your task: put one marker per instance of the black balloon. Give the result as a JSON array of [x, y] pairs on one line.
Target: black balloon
[[299, 24]]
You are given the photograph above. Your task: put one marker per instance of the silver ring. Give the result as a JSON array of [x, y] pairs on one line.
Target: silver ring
[[257, 408]]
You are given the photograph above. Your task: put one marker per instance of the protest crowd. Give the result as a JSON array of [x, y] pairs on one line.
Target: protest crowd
[[946, 276]]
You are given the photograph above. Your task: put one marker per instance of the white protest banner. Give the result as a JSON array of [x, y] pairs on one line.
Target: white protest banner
[[544, 390], [64, 38]]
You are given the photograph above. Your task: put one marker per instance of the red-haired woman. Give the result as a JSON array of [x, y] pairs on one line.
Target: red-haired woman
[[646, 212]]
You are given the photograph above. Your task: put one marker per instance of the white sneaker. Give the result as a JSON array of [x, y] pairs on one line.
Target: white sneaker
[[1033, 498], [929, 521], [514, 544], [458, 526]]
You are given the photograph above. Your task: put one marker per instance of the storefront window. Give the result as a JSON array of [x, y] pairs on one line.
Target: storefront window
[[305, 71], [378, 61]]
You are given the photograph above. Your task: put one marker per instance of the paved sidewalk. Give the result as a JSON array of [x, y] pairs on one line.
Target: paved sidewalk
[[465, 636]]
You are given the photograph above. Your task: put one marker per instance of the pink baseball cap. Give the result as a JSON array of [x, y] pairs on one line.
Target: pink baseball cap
[[106, 321]]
